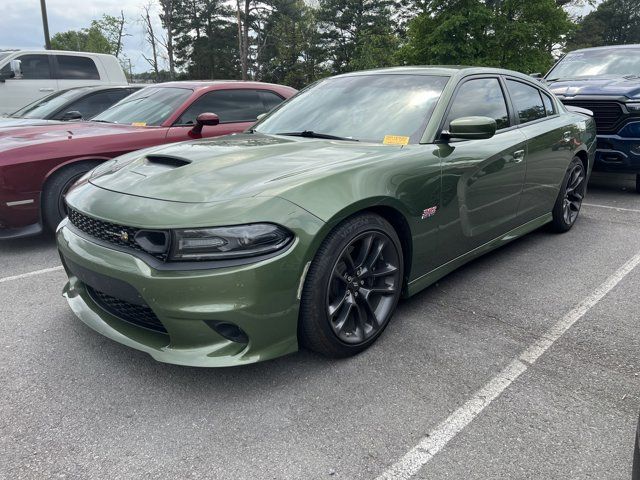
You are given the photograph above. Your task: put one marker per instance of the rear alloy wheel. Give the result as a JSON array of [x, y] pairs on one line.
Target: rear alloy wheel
[[352, 288], [569, 201]]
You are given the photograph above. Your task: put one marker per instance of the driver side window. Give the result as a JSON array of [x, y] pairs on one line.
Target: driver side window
[[480, 97]]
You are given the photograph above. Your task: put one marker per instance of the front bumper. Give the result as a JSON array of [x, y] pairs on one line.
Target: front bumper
[[618, 154], [260, 298]]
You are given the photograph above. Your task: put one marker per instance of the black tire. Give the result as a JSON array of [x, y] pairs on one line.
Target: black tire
[[638, 183], [53, 208], [362, 292], [567, 207]]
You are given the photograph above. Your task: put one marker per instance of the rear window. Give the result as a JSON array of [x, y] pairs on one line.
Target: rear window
[[527, 101], [71, 67]]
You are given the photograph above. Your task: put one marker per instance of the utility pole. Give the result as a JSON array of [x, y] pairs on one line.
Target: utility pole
[[45, 25]]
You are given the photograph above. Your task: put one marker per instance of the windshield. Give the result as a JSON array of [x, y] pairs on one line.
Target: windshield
[[361, 107], [46, 106], [150, 106], [599, 62], [4, 55]]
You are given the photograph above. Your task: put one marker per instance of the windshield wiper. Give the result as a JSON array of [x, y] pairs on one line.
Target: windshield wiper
[[312, 134], [102, 121]]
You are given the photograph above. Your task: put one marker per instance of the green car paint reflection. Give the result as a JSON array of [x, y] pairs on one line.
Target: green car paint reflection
[[308, 228]]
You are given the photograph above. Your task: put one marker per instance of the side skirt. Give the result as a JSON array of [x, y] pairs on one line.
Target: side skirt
[[433, 276]]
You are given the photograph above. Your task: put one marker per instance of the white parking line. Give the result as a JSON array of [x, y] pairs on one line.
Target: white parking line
[[611, 208], [429, 446], [30, 274]]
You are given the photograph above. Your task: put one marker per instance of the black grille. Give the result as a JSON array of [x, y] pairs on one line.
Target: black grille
[[113, 233], [139, 315], [608, 115]]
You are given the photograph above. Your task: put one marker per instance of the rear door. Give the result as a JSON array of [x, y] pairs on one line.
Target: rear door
[[237, 109], [36, 81], [549, 147], [75, 71], [482, 180]]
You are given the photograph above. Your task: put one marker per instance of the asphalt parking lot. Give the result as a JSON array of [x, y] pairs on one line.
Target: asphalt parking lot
[[77, 405]]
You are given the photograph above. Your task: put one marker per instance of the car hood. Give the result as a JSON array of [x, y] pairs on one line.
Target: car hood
[[613, 86], [233, 166], [34, 134], [22, 122]]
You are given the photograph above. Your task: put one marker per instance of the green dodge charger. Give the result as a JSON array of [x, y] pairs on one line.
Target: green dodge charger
[[309, 227]]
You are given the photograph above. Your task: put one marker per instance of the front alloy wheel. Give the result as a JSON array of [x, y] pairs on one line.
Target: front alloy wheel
[[362, 287], [352, 287]]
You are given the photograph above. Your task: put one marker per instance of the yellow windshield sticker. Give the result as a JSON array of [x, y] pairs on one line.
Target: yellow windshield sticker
[[139, 124], [395, 140]]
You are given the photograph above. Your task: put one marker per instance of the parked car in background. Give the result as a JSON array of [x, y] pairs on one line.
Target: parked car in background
[[39, 163], [27, 75], [73, 104], [605, 80], [308, 227]]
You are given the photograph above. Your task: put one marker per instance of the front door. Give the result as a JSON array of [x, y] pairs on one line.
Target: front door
[[35, 82], [482, 180]]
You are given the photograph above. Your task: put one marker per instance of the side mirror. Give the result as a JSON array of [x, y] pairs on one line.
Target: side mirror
[[202, 120], [16, 68], [71, 115], [471, 128]]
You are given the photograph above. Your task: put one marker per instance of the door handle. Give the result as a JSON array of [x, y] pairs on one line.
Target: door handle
[[46, 89], [518, 156], [567, 136]]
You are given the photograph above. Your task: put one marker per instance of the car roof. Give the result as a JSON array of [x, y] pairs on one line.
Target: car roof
[[207, 84], [439, 70], [608, 47], [97, 88]]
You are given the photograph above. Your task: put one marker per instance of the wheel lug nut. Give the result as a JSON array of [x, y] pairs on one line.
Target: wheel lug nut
[[349, 279]]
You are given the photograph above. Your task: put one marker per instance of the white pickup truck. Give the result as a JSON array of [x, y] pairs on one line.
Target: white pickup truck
[[27, 75]]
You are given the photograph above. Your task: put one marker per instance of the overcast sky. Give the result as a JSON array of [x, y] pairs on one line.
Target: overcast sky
[[21, 24]]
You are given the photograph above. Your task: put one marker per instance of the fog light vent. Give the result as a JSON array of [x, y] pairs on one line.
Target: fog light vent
[[229, 331]]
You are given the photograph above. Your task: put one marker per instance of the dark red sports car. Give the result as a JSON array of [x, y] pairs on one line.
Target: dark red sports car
[[38, 164]]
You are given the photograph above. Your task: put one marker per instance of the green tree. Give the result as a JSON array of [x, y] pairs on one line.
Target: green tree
[[205, 39], [516, 34], [614, 22], [358, 34], [288, 45], [86, 40]]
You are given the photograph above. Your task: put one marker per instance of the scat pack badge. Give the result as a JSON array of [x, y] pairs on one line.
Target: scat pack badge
[[429, 212]]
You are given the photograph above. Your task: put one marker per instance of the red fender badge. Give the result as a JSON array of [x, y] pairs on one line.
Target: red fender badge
[[429, 212]]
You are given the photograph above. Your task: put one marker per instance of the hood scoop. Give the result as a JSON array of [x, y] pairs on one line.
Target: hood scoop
[[166, 160], [157, 164]]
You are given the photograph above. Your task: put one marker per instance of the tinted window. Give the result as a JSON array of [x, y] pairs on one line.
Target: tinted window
[[548, 104], [526, 100], [270, 99], [368, 107], [481, 97], [150, 106], [76, 68], [616, 61], [94, 104], [35, 67], [229, 105], [47, 106]]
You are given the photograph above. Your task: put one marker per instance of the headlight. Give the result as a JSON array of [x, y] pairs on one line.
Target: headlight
[[633, 107], [228, 242]]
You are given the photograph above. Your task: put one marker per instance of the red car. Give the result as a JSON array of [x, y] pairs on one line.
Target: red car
[[38, 164]]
